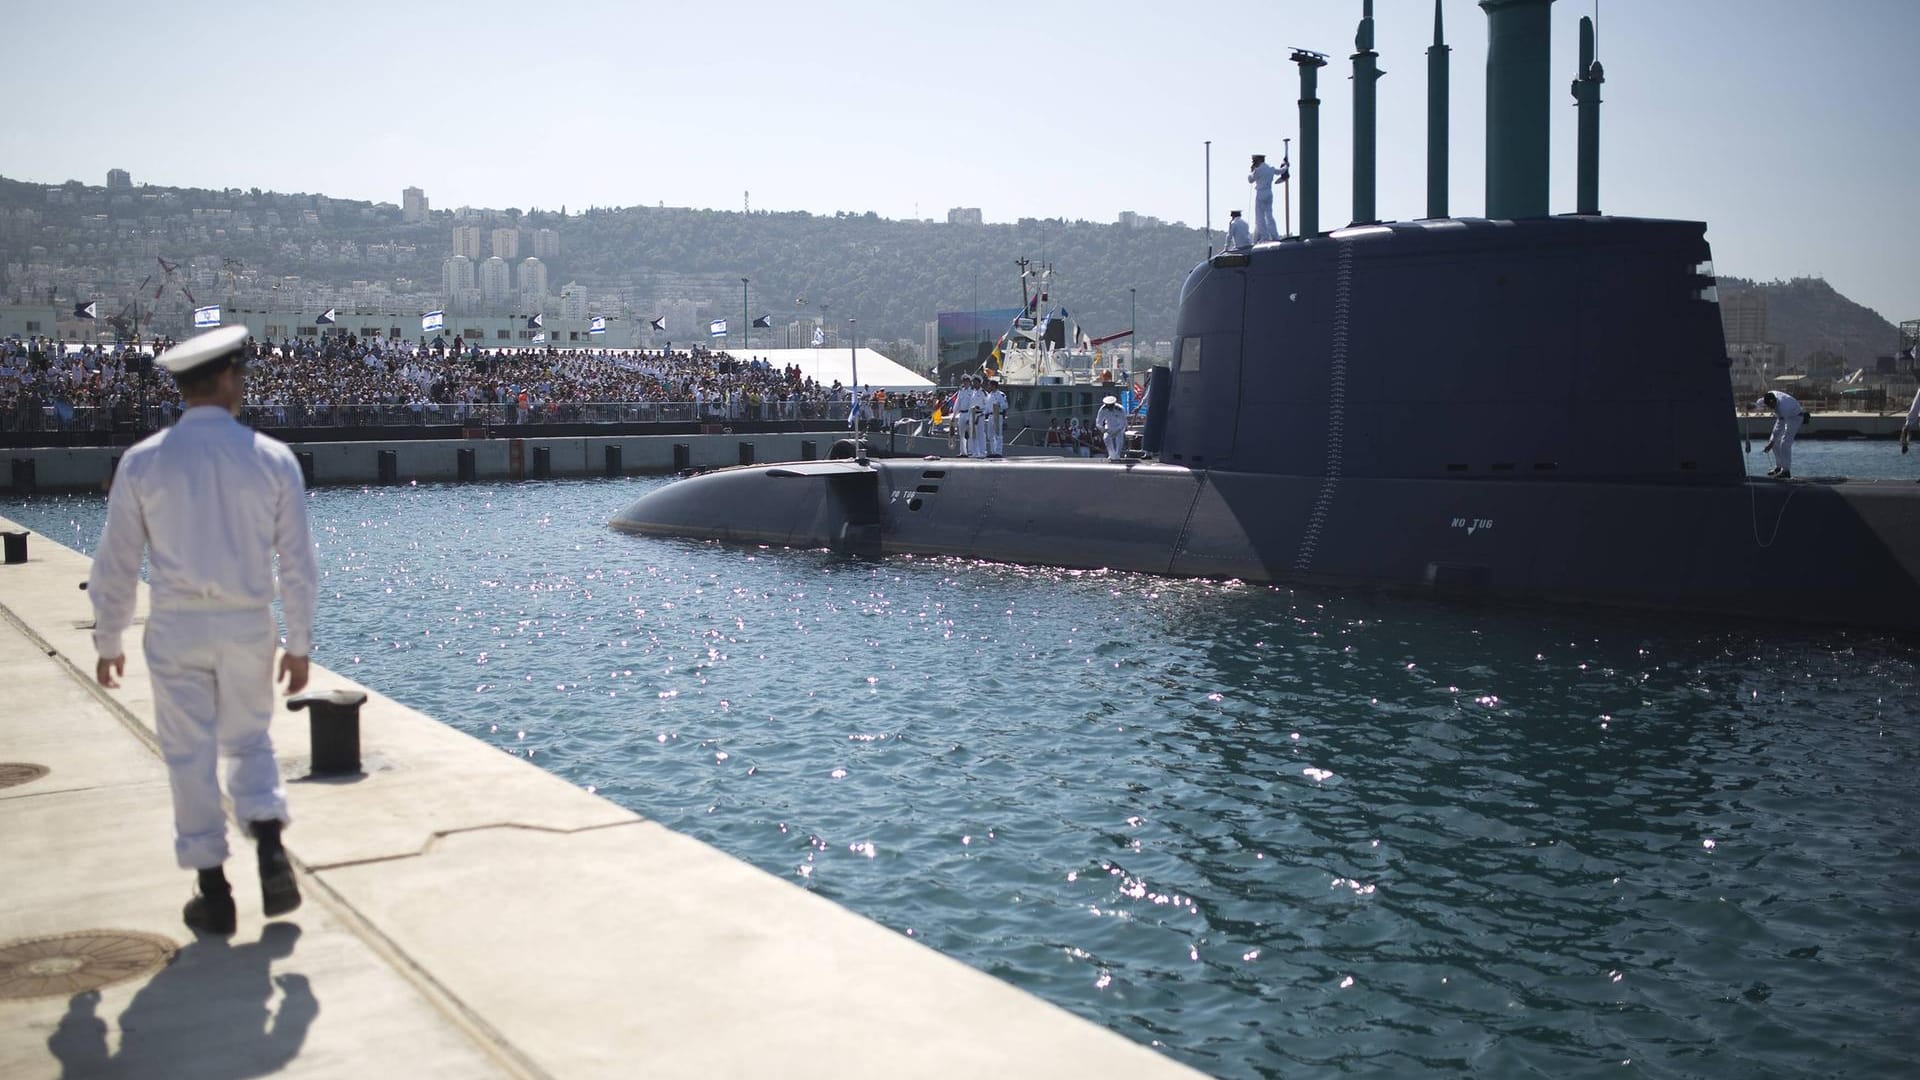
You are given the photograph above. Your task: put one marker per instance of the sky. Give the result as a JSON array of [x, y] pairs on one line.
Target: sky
[[1790, 127]]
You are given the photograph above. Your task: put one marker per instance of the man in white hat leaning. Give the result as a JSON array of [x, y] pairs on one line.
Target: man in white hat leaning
[[212, 502], [1111, 420]]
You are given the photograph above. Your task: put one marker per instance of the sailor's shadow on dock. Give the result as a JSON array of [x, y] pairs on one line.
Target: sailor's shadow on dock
[[207, 1014]]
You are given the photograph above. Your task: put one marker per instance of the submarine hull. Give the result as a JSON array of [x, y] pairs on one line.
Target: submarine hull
[[1799, 552]]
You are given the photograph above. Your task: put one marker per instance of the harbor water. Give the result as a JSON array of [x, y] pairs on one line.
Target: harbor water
[[1269, 831]]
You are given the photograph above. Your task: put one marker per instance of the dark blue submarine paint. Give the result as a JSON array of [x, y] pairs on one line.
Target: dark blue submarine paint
[[1521, 405]]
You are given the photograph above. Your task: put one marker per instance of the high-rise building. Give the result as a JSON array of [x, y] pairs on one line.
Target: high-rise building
[[964, 215], [533, 283], [413, 205], [466, 241], [573, 300], [118, 179], [456, 275], [545, 243], [1744, 318], [496, 282], [506, 243]]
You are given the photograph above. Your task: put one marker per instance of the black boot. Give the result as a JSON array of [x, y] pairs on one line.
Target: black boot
[[211, 911], [279, 892]]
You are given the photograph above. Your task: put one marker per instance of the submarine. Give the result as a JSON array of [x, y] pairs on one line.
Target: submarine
[[1526, 405]]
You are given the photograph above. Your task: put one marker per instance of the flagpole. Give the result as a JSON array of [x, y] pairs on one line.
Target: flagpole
[[1209, 145], [1286, 197], [745, 326], [853, 355]]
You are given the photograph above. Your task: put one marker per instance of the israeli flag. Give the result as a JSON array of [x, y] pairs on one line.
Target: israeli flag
[[819, 337], [597, 324], [326, 318], [206, 317], [432, 321], [717, 328], [540, 338]]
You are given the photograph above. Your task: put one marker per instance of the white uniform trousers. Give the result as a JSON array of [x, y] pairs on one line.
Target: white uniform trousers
[[997, 435], [1116, 444], [1783, 431], [1264, 227], [212, 697]]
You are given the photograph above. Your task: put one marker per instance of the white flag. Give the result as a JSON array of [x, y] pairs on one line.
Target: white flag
[[819, 337]]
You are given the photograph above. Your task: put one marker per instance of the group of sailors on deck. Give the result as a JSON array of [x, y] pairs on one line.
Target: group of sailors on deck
[[980, 417]]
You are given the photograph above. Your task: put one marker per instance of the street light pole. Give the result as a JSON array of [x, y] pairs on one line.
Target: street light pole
[[744, 323], [1133, 329]]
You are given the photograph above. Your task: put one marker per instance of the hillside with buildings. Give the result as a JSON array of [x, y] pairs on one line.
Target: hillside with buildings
[[151, 254]]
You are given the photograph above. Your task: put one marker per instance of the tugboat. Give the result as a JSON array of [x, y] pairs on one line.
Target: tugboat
[[1521, 405], [1049, 367]]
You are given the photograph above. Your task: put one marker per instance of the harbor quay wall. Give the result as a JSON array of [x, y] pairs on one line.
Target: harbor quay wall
[[67, 468], [428, 460]]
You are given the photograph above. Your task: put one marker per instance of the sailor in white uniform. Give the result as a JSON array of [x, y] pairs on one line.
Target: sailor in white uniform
[[211, 502], [1787, 416], [996, 419], [1906, 427], [1239, 235], [968, 405], [1111, 421], [1262, 178]]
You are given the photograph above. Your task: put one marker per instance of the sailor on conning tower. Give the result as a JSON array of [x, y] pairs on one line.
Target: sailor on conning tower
[[1238, 234], [1263, 178]]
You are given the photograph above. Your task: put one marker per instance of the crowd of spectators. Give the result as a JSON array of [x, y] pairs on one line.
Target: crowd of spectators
[[340, 380]]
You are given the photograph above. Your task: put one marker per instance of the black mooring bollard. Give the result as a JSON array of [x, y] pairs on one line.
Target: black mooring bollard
[[543, 463], [334, 725], [682, 457], [389, 464], [16, 545], [306, 466], [463, 465], [613, 461], [746, 453]]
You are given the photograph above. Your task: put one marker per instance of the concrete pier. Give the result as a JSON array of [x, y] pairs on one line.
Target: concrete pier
[[467, 914]]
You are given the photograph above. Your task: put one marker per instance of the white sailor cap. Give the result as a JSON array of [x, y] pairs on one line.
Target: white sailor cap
[[220, 346], [1109, 400]]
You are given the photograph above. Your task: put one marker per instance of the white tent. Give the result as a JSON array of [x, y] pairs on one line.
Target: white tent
[[828, 364]]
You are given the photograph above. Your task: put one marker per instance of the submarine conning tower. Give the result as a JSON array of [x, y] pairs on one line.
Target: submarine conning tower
[[1519, 346]]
